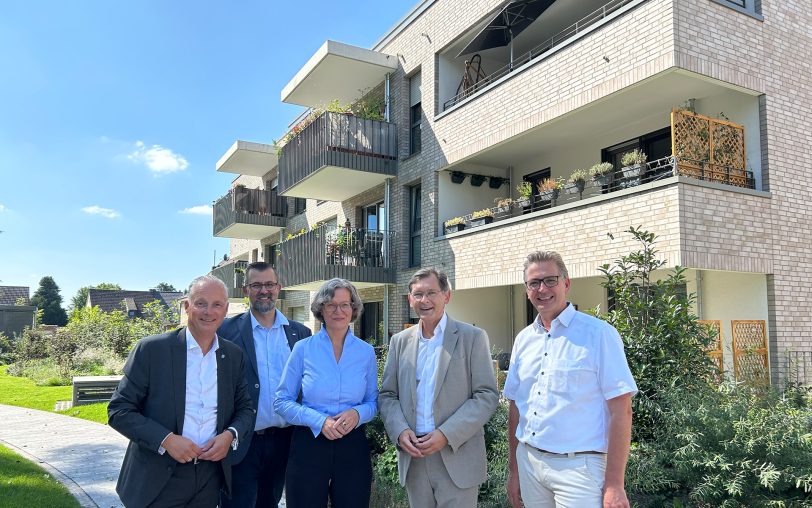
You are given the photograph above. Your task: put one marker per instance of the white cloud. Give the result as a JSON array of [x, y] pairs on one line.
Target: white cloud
[[198, 210], [2, 207], [158, 159], [108, 213]]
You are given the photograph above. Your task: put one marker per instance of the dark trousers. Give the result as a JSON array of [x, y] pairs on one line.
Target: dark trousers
[[258, 480], [319, 468], [192, 486]]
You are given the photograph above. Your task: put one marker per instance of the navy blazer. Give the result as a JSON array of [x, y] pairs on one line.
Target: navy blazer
[[150, 402], [238, 330]]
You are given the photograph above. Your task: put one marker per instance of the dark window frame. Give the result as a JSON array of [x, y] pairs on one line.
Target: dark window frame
[[415, 224]]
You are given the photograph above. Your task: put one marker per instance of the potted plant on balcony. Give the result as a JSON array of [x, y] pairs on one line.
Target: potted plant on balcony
[[601, 172], [503, 204], [634, 163], [525, 192], [481, 217], [549, 189], [577, 181], [454, 225]]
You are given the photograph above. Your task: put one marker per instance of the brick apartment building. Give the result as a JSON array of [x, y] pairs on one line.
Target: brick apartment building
[[715, 92]]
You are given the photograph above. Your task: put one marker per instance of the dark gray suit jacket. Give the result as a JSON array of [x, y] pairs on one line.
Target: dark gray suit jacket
[[150, 402], [238, 330]]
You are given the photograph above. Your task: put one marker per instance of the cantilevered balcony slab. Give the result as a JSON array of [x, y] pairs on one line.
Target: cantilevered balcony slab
[[250, 214], [337, 71], [247, 158], [338, 156]]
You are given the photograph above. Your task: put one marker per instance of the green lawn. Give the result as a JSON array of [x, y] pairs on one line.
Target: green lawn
[[23, 483], [20, 391]]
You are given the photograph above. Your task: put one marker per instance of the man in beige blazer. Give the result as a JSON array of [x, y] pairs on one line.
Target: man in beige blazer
[[438, 391]]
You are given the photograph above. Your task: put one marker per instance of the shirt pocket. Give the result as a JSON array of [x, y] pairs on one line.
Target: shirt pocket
[[567, 375]]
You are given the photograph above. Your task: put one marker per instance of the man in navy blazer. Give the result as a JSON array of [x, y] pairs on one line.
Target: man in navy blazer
[[184, 405], [266, 337]]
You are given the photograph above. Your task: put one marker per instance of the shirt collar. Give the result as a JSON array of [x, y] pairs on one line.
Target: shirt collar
[[191, 343], [438, 330], [280, 320], [564, 317]]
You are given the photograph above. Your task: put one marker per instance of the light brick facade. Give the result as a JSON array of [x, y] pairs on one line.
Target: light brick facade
[[758, 60]]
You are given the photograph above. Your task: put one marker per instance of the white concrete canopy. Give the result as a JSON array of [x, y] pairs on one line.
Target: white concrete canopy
[[247, 158], [337, 71], [248, 231], [333, 183]]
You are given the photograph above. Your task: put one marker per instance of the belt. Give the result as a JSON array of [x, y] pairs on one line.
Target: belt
[[568, 455], [268, 431]]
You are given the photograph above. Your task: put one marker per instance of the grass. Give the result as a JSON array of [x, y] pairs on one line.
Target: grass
[[20, 391], [23, 483]]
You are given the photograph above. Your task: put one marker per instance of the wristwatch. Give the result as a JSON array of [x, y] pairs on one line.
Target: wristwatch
[[235, 441]]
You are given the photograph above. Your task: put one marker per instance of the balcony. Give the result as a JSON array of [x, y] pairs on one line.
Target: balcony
[[233, 274], [358, 255], [338, 156], [250, 214], [247, 158]]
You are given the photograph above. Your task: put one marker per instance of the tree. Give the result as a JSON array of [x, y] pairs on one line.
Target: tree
[[165, 286], [666, 346], [48, 299], [80, 299]]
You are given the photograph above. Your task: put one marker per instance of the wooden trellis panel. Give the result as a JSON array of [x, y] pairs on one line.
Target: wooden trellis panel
[[708, 148], [715, 348], [750, 361]]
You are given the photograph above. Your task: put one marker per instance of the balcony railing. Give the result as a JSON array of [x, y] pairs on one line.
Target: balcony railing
[[625, 178], [518, 61], [233, 274], [340, 140], [249, 207], [356, 254]]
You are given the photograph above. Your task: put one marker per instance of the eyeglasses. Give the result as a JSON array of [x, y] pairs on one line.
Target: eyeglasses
[[344, 306], [550, 282], [431, 295], [259, 286]]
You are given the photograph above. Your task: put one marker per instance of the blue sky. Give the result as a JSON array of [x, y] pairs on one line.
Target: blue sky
[[113, 114]]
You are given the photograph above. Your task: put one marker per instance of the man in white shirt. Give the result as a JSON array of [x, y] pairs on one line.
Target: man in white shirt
[[570, 391], [437, 393], [183, 404]]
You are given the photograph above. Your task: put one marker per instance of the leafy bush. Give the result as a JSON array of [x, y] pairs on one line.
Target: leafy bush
[[33, 344], [6, 350], [734, 446], [62, 349], [665, 344]]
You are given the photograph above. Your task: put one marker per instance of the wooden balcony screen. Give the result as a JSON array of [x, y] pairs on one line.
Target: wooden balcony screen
[[342, 140], [233, 275], [750, 361], [709, 148], [715, 349]]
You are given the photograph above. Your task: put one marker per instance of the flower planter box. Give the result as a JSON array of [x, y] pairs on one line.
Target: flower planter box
[[481, 221], [634, 171], [575, 188], [549, 195], [601, 180], [454, 228]]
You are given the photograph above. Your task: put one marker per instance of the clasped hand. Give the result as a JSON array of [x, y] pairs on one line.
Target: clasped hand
[[338, 426], [422, 446], [185, 450]]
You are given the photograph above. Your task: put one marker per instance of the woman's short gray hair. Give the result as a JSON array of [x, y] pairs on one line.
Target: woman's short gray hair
[[327, 292]]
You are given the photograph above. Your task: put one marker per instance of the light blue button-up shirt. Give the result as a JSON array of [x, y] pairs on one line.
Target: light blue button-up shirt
[[272, 349], [328, 387]]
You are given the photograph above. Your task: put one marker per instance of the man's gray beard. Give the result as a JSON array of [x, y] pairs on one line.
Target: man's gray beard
[[262, 307]]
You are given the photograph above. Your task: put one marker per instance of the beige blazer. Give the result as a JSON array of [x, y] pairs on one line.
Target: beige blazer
[[465, 397]]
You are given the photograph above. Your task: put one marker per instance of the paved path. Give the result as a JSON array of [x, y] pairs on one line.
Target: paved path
[[85, 456]]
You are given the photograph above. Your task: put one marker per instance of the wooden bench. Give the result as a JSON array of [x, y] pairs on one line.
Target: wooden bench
[[92, 389]]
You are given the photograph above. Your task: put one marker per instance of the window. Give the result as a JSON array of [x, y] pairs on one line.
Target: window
[[656, 145], [415, 114], [299, 205], [372, 323], [682, 292], [415, 225], [270, 255], [751, 7]]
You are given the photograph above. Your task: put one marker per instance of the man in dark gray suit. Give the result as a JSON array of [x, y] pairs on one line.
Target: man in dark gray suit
[[266, 337], [184, 406]]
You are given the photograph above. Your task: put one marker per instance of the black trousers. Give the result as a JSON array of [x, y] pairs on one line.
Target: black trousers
[[318, 469], [257, 481], [192, 486]]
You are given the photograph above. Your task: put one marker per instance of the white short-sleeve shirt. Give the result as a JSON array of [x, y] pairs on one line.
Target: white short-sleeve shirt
[[560, 381]]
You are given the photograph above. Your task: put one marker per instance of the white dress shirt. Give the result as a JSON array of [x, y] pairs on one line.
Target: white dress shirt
[[561, 379], [428, 356], [200, 420], [273, 351]]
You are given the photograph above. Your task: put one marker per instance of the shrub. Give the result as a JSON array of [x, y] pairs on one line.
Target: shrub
[[62, 349], [731, 446], [6, 350], [33, 344], [633, 158], [665, 345], [579, 175], [600, 169]]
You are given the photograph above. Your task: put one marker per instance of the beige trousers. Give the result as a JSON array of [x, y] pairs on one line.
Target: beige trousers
[[429, 485]]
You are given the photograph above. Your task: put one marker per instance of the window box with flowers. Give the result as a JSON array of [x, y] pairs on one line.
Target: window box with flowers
[[481, 217], [577, 181], [549, 189], [454, 225]]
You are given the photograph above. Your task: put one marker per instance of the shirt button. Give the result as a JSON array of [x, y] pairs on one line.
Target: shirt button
[[545, 354], [542, 372], [539, 393], [535, 414], [534, 433], [256, 385]]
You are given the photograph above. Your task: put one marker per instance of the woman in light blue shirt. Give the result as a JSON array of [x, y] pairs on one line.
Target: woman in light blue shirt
[[336, 374]]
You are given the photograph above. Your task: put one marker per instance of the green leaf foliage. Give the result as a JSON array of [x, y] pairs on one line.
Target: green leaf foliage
[[49, 301]]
